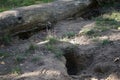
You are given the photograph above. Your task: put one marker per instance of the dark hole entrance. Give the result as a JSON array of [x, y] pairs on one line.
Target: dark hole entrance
[[71, 63], [76, 62], [24, 35], [28, 34], [19, 18]]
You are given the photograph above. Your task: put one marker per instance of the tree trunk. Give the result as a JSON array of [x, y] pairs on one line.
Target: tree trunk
[[38, 16]]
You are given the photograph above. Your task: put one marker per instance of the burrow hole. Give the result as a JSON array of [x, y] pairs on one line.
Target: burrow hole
[[75, 62], [71, 64], [26, 35]]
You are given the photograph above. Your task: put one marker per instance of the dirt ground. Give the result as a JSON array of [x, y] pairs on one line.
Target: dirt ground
[[83, 59]]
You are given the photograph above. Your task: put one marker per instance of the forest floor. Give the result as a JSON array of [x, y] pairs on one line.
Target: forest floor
[[74, 49]]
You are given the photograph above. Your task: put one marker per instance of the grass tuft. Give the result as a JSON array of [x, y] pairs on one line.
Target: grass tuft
[[57, 51], [87, 31], [10, 4], [16, 70], [5, 39], [36, 58], [105, 42], [4, 54], [69, 34], [32, 47], [20, 58]]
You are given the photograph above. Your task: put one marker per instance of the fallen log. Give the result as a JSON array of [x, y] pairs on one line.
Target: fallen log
[[38, 16]]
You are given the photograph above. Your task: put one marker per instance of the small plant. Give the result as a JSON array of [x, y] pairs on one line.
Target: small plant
[[70, 34], [52, 40], [105, 42], [20, 58], [6, 39], [16, 70], [87, 31], [36, 58], [32, 47], [50, 47], [4, 54], [57, 51]]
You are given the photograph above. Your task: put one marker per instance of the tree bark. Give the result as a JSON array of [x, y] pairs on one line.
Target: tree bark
[[38, 16]]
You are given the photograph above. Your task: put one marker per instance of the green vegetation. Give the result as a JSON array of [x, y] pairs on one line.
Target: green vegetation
[[32, 47], [16, 70], [57, 51], [4, 54], [104, 24], [69, 34], [87, 31], [102, 42], [36, 58], [51, 46], [52, 40], [6, 39], [9, 4], [108, 21], [20, 58], [105, 42]]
